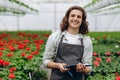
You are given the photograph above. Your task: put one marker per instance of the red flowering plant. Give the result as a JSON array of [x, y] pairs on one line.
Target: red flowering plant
[[106, 57], [117, 76], [20, 54]]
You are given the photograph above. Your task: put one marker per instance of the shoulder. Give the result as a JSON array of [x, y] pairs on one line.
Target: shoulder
[[54, 37], [55, 34], [87, 40]]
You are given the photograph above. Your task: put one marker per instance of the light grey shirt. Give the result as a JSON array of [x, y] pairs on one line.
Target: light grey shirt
[[53, 41]]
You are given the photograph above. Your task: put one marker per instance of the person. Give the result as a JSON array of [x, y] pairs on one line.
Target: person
[[70, 46]]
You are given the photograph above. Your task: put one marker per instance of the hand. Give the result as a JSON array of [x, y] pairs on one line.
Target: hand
[[80, 67], [62, 67]]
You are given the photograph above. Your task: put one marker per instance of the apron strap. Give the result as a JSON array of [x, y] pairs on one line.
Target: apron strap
[[81, 39], [56, 50], [61, 39]]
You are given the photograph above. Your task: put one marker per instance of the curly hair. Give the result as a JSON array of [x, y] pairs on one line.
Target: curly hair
[[83, 27]]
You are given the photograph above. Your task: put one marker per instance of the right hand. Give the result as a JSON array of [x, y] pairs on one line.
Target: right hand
[[62, 67]]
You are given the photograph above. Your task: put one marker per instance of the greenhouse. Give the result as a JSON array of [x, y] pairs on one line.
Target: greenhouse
[[25, 26]]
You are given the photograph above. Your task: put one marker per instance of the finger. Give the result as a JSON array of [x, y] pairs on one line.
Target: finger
[[64, 64], [64, 69], [84, 66], [80, 67]]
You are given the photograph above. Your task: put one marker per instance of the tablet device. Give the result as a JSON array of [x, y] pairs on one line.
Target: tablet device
[[73, 66]]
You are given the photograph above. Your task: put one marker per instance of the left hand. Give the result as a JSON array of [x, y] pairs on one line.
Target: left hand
[[80, 67]]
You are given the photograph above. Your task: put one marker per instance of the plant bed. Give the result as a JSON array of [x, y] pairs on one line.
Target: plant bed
[[21, 54], [106, 56]]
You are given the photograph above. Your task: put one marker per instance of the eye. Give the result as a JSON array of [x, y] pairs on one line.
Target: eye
[[72, 15], [79, 16]]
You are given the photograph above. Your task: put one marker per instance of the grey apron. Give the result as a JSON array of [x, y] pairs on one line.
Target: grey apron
[[71, 54]]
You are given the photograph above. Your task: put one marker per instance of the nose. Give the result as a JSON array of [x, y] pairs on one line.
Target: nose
[[75, 18]]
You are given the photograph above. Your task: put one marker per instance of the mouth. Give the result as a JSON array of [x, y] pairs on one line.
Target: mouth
[[74, 22]]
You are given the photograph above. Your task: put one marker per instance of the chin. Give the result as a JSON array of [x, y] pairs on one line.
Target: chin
[[76, 26]]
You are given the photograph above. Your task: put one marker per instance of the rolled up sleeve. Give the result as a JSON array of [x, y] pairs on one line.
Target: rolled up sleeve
[[88, 51], [49, 51]]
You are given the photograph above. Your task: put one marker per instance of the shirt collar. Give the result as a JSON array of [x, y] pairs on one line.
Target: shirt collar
[[64, 32]]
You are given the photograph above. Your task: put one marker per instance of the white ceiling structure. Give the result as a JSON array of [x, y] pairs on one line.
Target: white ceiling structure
[[100, 7], [81, 2], [56, 1], [51, 12]]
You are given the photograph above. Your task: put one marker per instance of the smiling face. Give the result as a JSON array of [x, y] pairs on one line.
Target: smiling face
[[75, 19]]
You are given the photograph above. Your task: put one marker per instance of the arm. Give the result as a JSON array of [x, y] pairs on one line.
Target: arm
[[50, 53], [57, 66], [87, 57]]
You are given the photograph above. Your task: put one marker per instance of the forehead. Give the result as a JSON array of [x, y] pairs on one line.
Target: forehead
[[75, 11]]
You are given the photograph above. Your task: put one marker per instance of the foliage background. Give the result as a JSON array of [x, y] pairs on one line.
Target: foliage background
[[21, 55], [105, 56]]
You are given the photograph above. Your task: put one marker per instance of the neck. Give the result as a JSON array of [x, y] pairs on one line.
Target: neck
[[73, 31]]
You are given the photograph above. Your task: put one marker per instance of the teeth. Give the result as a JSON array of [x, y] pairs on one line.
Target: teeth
[[74, 22]]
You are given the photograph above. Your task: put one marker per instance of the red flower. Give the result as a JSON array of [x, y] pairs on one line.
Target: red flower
[[104, 37], [1, 44], [19, 33], [117, 78], [37, 46], [98, 59], [36, 41], [11, 76], [35, 36], [30, 57], [96, 63], [1, 48], [1, 62], [0, 37], [118, 53], [41, 41], [23, 54], [12, 69], [28, 49], [1, 54], [95, 54], [26, 41], [108, 53], [9, 55], [6, 63], [23, 34], [11, 48], [20, 46], [19, 42], [0, 78], [4, 41], [108, 59], [46, 35], [34, 53], [28, 35]]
